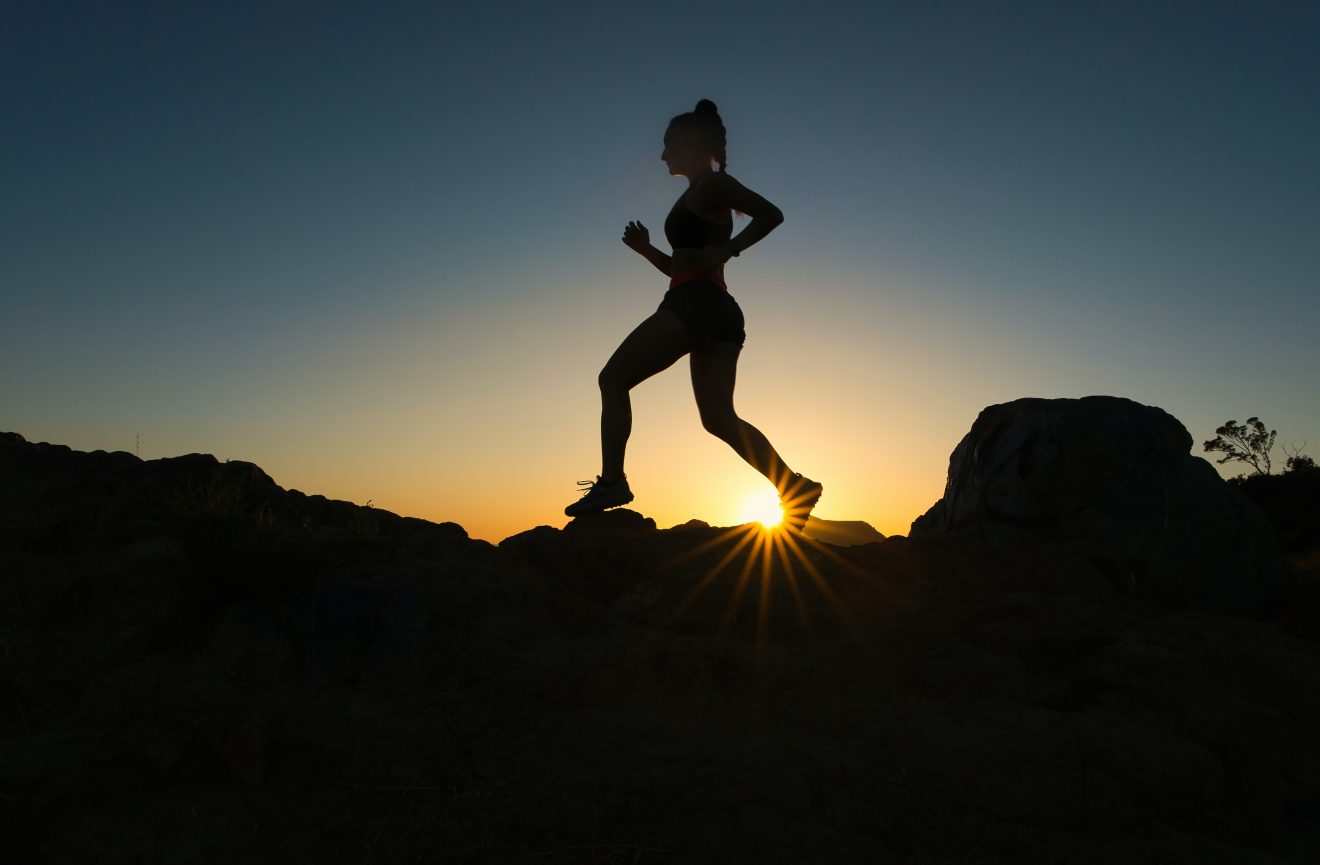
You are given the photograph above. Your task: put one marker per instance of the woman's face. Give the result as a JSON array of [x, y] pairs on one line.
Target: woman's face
[[684, 152]]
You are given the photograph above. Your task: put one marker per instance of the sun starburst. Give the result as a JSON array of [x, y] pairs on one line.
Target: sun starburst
[[762, 507]]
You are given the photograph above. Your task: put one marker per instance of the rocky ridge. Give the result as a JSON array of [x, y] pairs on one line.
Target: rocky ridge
[[200, 665]]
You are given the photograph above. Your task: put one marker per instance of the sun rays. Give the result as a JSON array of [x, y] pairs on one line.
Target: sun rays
[[777, 558], [761, 506], [765, 574]]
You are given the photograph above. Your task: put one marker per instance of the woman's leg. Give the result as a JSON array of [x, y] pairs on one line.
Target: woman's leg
[[652, 346], [713, 370]]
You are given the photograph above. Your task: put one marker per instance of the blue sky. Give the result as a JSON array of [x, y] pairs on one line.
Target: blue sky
[[375, 248]]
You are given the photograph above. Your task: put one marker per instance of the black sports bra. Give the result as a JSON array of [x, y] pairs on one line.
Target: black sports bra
[[683, 228]]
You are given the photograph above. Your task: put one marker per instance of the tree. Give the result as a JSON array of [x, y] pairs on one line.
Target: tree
[[1248, 443], [1298, 461]]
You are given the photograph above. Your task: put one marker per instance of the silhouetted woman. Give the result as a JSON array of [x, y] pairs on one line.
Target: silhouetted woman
[[698, 315]]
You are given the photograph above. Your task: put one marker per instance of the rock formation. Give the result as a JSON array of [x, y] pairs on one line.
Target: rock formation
[[1117, 478], [201, 666]]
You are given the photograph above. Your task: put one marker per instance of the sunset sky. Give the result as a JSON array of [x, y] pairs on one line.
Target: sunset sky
[[375, 248]]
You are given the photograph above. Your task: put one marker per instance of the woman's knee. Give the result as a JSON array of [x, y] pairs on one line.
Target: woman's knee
[[722, 425], [610, 379]]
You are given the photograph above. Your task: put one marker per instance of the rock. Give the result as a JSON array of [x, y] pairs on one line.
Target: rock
[[1117, 477], [612, 520], [529, 536], [201, 666]]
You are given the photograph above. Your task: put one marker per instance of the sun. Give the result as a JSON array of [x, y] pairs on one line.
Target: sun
[[761, 506]]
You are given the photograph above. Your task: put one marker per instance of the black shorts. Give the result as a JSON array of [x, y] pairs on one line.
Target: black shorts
[[708, 310]]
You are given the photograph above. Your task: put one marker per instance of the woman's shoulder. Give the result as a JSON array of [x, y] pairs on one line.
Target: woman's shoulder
[[712, 179], [712, 187]]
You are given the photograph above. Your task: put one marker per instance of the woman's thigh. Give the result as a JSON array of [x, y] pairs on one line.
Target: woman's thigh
[[653, 346]]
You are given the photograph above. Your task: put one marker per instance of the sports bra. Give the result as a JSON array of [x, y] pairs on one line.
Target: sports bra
[[683, 228]]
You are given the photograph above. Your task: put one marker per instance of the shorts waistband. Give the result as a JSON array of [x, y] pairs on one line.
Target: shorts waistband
[[692, 274]]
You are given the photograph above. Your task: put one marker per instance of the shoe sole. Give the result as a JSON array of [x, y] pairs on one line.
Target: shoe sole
[[597, 508]]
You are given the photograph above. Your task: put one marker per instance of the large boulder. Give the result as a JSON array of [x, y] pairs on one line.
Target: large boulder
[[1118, 479]]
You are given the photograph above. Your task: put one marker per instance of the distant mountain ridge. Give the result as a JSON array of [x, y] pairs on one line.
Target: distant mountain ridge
[[843, 533]]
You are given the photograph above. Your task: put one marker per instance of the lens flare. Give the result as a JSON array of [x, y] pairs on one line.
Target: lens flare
[[763, 507]]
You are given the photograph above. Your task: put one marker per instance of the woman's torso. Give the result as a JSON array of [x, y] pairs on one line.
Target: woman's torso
[[688, 231]]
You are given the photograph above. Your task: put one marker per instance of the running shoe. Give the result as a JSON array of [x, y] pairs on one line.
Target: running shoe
[[800, 497], [600, 495]]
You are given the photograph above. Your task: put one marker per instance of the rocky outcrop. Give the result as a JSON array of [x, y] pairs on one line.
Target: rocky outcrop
[[1117, 479], [202, 666]]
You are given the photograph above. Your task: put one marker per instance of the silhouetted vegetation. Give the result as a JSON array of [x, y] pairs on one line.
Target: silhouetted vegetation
[[1297, 461], [1290, 501], [1248, 443]]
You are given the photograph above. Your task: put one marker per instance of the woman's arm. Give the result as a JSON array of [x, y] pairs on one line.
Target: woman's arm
[[663, 261], [719, 191], [758, 228], [638, 239]]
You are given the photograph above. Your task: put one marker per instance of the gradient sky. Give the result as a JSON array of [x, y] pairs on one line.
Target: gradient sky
[[375, 248]]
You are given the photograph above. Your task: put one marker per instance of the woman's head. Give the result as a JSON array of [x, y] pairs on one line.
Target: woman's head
[[693, 139]]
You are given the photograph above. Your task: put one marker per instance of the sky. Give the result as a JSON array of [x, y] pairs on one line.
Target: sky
[[375, 248]]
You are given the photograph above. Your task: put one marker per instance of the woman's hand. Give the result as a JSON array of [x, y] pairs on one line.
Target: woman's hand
[[711, 257], [636, 236]]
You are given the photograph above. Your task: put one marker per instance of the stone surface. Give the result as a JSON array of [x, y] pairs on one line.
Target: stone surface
[[1116, 477], [201, 666]]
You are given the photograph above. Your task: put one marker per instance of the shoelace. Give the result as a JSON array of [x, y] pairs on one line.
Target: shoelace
[[590, 485]]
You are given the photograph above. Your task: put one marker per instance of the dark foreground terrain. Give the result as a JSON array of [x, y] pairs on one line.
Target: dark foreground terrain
[[201, 666]]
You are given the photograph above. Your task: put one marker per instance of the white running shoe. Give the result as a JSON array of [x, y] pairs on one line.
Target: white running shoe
[[598, 496]]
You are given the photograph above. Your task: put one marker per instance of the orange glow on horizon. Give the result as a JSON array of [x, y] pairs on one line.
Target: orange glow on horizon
[[761, 506]]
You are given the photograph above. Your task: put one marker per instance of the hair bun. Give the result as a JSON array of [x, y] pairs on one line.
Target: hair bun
[[707, 107]]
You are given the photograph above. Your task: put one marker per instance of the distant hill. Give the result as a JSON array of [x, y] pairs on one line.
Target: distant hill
[[844, 533]]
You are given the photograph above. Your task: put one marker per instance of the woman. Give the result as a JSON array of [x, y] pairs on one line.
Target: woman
[[696, 316]]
